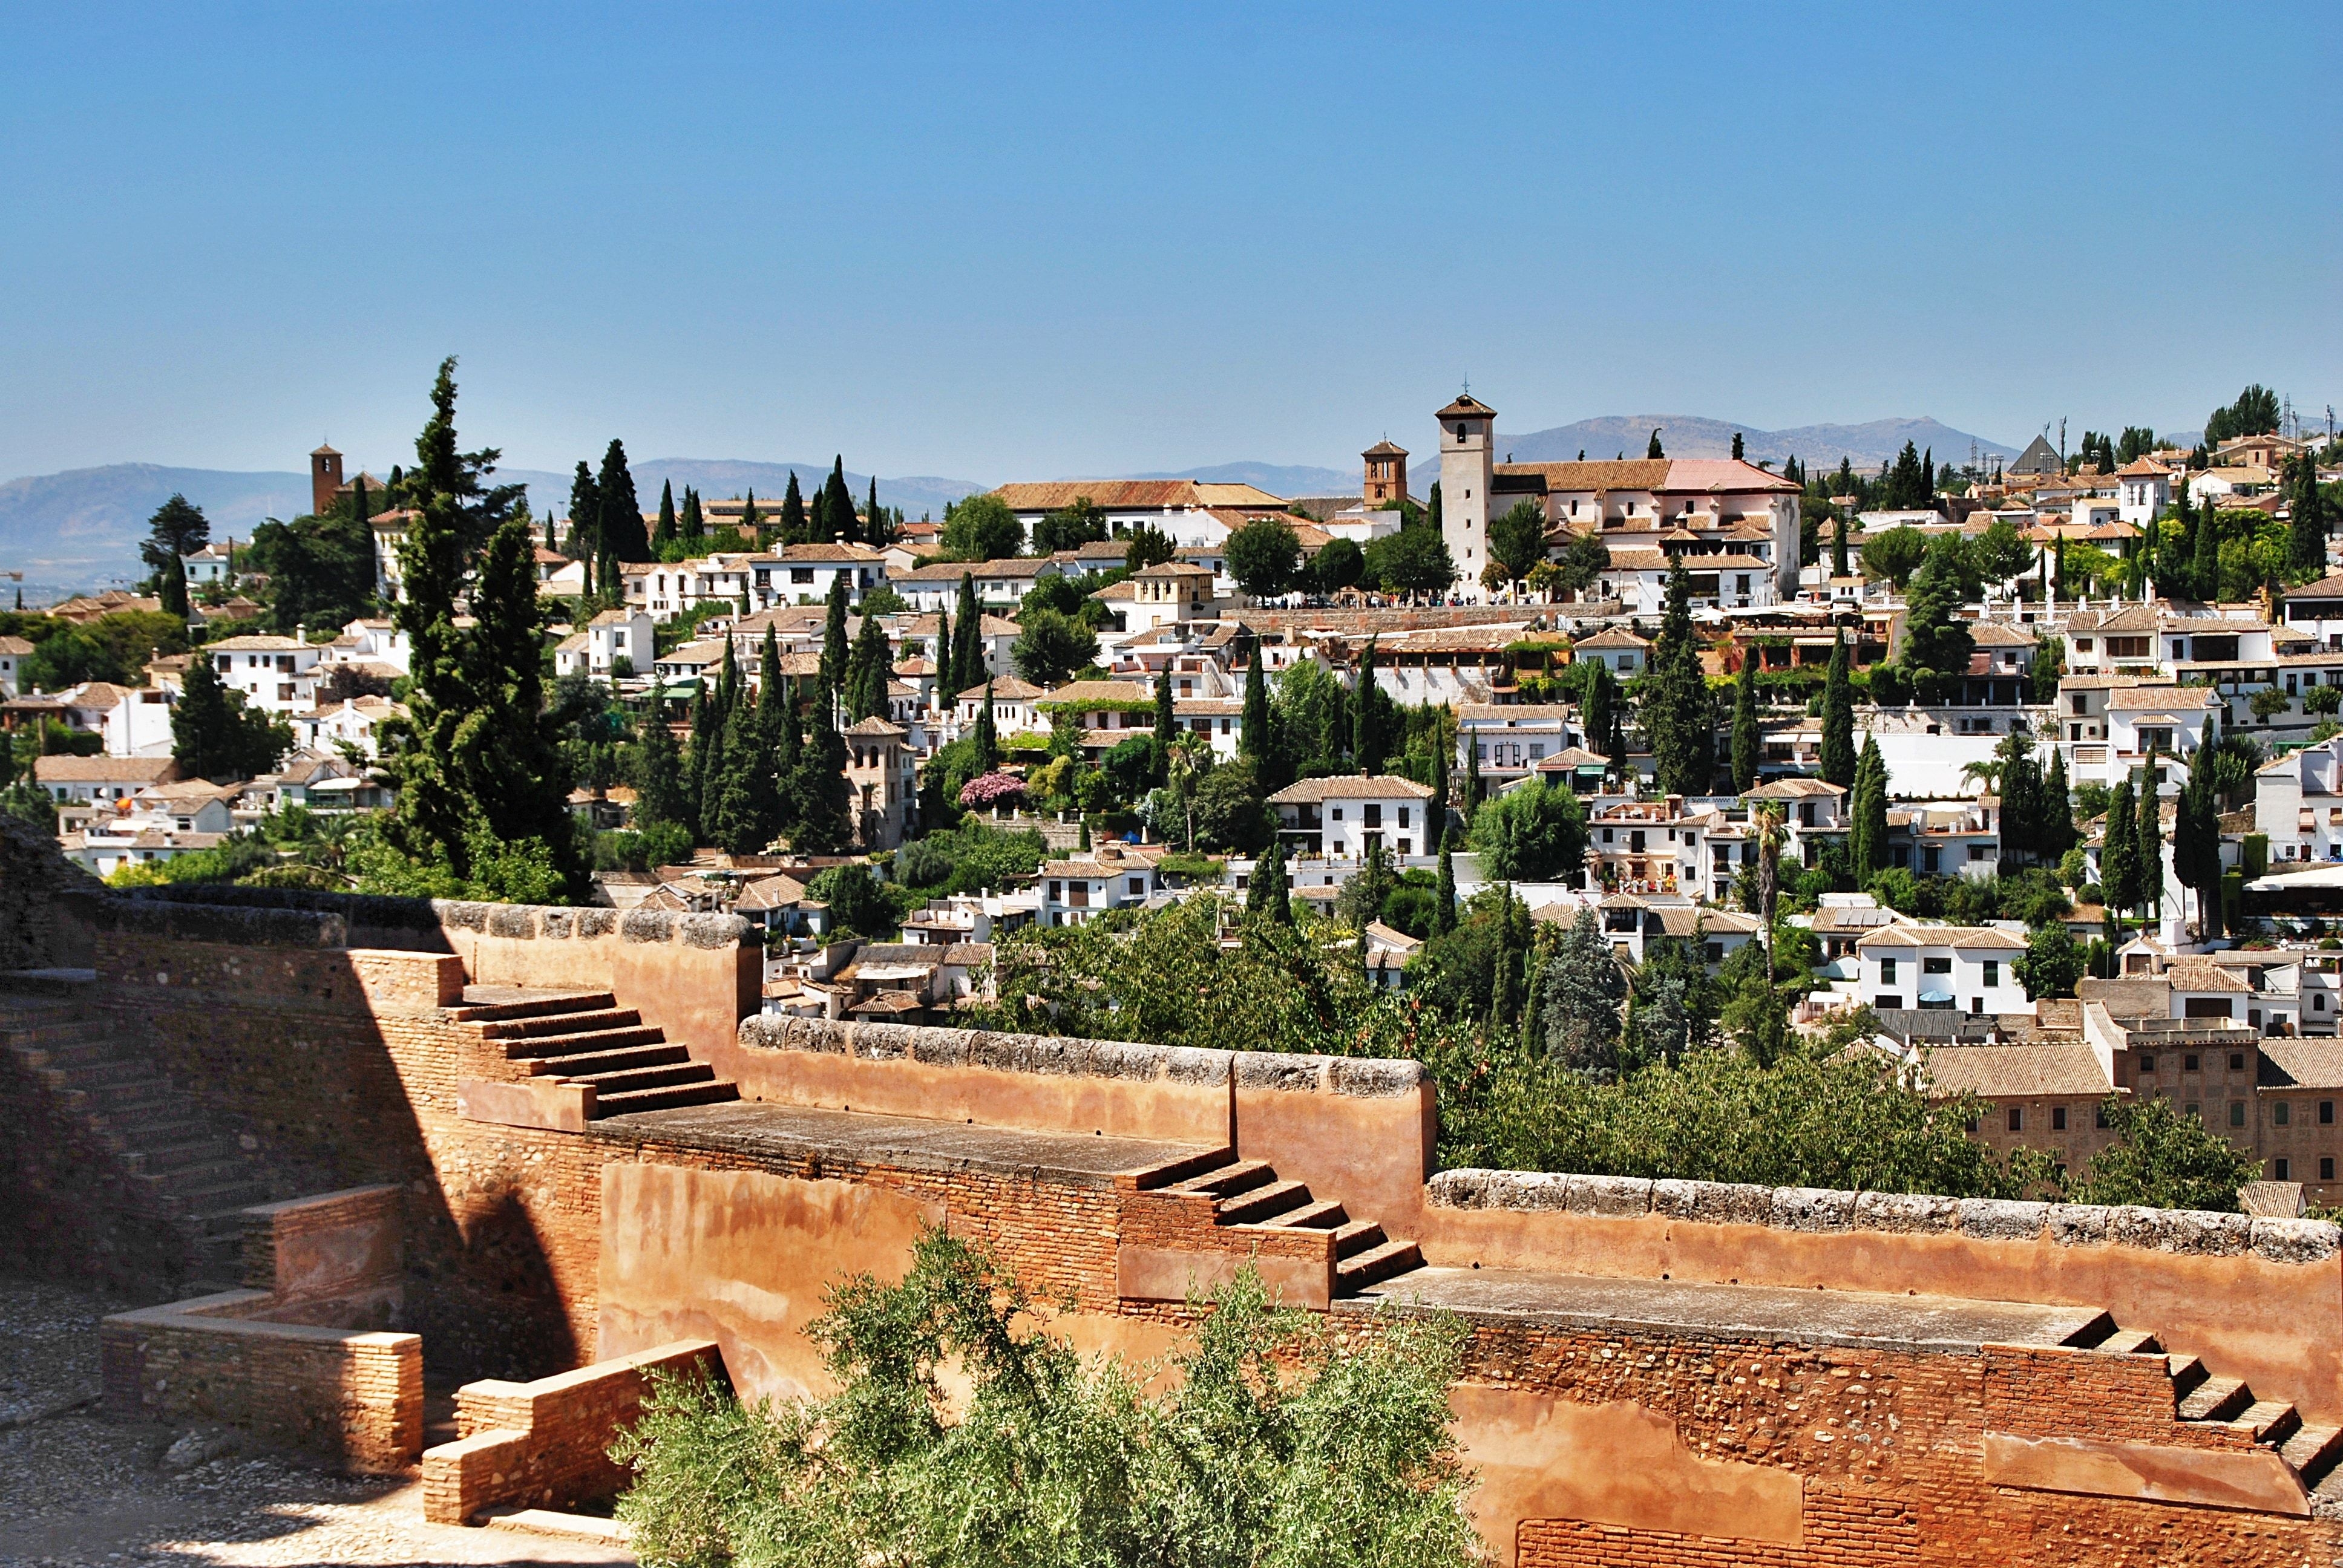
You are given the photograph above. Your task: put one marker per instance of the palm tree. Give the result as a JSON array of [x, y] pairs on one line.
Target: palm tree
[[1987, 773], [1191, 759]]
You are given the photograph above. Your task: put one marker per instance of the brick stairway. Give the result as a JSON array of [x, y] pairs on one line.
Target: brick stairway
[[1250, 1193], [2316, 1453], [179, 1165], [585, 1038]]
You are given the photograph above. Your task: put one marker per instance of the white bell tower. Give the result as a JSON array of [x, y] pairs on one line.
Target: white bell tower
[[1467, 465]]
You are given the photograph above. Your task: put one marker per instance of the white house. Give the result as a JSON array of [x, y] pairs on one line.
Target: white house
[[1073, 891], [806, 574], [79, 780], [208, 566], [1347, 816], [1955, 968], [2298, 803], [1165, 504], [14, 652], [1168, 593], [610, 637], [1617, 647], [1510, 739], [2143, 489], [129, 720], [933, 588], [277, 673], [1812, 811], [1638, 579], [353, 721]]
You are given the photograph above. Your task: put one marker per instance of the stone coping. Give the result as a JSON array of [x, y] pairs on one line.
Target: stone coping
[[1061, 1056], [1815, 1208], [298, 917]]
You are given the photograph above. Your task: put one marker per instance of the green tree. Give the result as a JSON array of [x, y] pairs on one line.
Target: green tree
[[869, 668], [665, 533], [988, 738], [1052, 647], [2255, 413], [1907, 487], [585, 517], [818, 793], [2307, 534], [1584, 559], [2147, 845], [834, 647], [320, 569], [1838, 718], [838, 504], [1147, 546], [1895, 555], [981, 528], [1745, 742], [693, 526], [795, 530], [657, 774], [1070, 528], [177, 529], [1838, 546], [1653, 449], [1167, 728], [969, 663], [1534, 833], [1676, 711], [2119, 877], [1599, 712], [1338, 564], [1253, 739], [1672, 1005], [1868, 841], [2205, 566], [1444, 905], [214, 736], [1268, 1444], [1582, 991], [1367, 733], [1517, 539], [1412, 560], [2056, 825], [2163, 1159], [2052, 964], [622, 513], [1267, 894], [1264, 556]]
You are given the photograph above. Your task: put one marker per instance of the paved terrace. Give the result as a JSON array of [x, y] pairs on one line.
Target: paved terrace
[[1943, 1324], [907, 1143]]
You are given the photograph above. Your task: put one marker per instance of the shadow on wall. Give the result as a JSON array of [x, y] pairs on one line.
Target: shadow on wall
[[44, 920]]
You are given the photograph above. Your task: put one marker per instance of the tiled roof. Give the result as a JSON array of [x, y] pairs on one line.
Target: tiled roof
[[2155, 698], [1119, 493], [1351, 787], [2302, 1063], [1961, 937], [1614, 637], [2017, 1071], [104, 770], [2202, 975], [1794, 789], [948, 572]]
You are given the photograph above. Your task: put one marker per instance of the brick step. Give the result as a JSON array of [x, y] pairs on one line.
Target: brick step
[[2131, 1343], [1324, 1214], [560, 1023], [106, 1072], [2188, 1372], [1256, 1205], [2216, 1398], [198, 1174], [241, 1193], [1356, 1236], [634, 1077], [170, 1159], [2313, 1450], [1171, 1172], [665, 1098], [571, 1044], [588, 1062], [531, 1007], [1229, 1179], [2271, 1420], [1376, 1264]]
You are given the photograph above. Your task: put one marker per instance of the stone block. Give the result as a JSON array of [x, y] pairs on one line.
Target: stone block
[[1907, 1213], [2001, 1220], [1714, 1202], [1608, 1194]]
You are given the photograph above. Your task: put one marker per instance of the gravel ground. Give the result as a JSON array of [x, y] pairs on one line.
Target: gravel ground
[[77, 1489]]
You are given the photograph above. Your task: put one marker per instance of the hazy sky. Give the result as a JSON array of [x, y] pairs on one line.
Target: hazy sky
[[1010, 242]]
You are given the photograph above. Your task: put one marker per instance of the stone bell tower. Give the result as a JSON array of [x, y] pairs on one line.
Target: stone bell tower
[[1385, 477], [325, 478], [1467, 465]]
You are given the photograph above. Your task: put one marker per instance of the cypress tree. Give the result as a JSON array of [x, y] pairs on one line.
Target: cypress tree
[[872, 666], [988, 740], [833, 641], [1472, 780], [622, 513], [1869, 845], [794, 529], [946, 652], [696, 761], [2118, 858], [658, 773], [1599, 711], [1269, 879], [1838, 542], [820, 799], [694, 526], [752, 521], [1838, 718], [2147, 846], [1166, 727], [970, 654], [876, 528], [1677, 713], [2204, 576], [837, 506], [2197, 838], [1444, 901], [666, 529], [171, 590], [2307, 536], [1744, 725], [585, 516], [1253, 736], [1367, 731], [1443, 753], [2021, 801], [2057, 815]]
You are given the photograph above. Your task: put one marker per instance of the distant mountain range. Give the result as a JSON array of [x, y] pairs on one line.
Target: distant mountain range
[[78, 530]]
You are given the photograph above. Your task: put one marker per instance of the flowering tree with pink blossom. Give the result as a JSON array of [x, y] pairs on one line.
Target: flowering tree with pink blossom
[[991, 790]]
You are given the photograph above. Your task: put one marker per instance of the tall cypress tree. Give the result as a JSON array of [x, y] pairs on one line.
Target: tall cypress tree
[[969, 652], [1366, 728], [1253, 737], [944, 654], [1869, 844], [1268, 896], [794, 529], [988, 739], [1472, 780], [1444, 898], [1443, 754], [820, 794], [1165, 725], [1677, 714], [2057, 819], [696, 761], [837, 506], [622, 513], [2307, 536], [1838, 542], [1744, 725], [658, 773], [878, 526], [665, 532], [1838, 718], [2147, 846], [869, 668], [2119, 856], [752, 521], [2205, 572], [1598, 709], [833, 640], [585, 516], [693, 526]]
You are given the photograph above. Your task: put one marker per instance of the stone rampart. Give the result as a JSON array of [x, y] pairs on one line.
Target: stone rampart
[[2261, 1297]]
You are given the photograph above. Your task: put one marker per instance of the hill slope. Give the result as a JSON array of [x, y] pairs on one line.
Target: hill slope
[[1693, 436]]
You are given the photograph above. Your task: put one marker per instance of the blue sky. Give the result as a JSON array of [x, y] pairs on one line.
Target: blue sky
[[1006, 241]]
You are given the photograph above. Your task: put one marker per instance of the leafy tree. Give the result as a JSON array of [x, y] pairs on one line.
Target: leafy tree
[[658, 774], [177, 529], [1584, 559], [1149, 545], [1745, 743], [1269, 1444], [2003, 553], [214, 736], [2052, 964], [1254, 742], [622, 512], [818, 799], [1672, 1006], [1052, 647], [1412, 560], [2164, 1160], [1677, 713], [1583, 990], [1070, 528], [1534, 833], [1907, 486], [1517, 539], [981, 528], [1838, 718], [1338, 564], [1262, 557], [1227, 812], [1267, 895], [320, 569], [1895, 555], [1936, 638], [2255, 413]]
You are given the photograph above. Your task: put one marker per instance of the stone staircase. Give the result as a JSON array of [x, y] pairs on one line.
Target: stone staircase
[[584, 1037], [179, 1166], [2315, 1453], [1250, 1193]]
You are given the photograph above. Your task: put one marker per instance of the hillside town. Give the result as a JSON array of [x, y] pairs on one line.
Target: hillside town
[[2021, 771]]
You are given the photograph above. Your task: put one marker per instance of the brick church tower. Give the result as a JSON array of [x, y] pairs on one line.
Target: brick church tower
[[1386, 474], [325, 478]]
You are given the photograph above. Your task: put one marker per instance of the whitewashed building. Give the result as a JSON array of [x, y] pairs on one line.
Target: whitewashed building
[[1345, 816], [1953, 968]]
